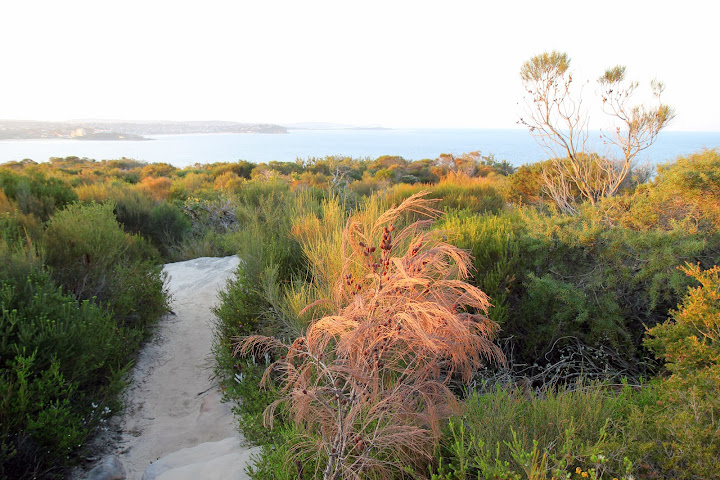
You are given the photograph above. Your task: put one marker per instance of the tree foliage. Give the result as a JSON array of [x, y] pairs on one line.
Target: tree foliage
[[558, 119]]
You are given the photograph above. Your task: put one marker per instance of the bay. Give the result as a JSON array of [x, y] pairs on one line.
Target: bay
[[516, 146]]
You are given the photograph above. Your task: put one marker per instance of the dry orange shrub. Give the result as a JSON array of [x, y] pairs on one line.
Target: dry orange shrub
[[6, 204], [371, 380], [157, 188]]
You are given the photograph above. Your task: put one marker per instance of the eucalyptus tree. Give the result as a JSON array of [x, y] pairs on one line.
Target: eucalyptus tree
[[559, 120]]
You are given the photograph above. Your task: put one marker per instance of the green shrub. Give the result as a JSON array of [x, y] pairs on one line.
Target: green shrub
[[507, 433], [62, 359], [59, 360], [36, 194], [456, 192], [134, 211], [684, 193], [688, 421], [555, 279], [39, 427], [271, 257], [281, 460], [139, 297], [168, 226], [93, 258], [264, 234], [84, 243], [241, 305], [495, 244]]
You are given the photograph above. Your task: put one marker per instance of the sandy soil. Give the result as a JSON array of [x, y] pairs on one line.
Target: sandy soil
[[173, 402]]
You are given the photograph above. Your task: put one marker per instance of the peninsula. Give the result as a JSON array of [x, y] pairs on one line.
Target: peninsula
[[121, 129]]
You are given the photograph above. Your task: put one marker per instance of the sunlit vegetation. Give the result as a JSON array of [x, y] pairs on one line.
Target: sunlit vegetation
[[567, 344]]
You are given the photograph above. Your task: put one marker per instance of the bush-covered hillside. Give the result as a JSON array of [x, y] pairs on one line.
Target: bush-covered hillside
[[601, 318]]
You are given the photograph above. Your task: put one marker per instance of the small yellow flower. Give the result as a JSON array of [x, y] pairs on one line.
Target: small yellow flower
[[578, 470], [584, 474]]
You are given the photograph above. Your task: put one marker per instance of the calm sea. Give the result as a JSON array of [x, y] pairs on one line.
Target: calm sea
[[516, 146]]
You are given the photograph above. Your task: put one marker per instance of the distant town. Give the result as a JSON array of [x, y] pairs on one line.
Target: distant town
[[122, 130]]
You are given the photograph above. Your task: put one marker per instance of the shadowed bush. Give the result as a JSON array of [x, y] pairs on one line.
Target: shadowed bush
[[61, 362]]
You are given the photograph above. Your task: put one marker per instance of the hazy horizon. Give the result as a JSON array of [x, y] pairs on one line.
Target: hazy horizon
[[401, 64], [316, 125]]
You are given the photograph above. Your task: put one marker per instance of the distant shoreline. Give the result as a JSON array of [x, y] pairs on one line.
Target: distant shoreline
[[116, 130]]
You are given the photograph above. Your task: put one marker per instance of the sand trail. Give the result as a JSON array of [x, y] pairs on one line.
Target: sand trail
[[173, 402]]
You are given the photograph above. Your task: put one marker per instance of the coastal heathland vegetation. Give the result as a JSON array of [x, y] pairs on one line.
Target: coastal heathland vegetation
[[582, 348]]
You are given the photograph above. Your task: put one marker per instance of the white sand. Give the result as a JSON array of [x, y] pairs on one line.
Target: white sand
[[173, 402]]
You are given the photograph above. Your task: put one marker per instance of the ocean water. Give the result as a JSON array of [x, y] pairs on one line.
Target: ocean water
[[517, 146]]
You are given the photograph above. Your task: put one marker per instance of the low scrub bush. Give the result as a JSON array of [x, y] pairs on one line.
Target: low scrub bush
[[508, 433], [456, 192], [168, 227], [271, 257], [133, 210], [688, 420], [561, 282], [495, 244], [36, 193], [684, 193], [84, 244], [60, 361], [92, 258]]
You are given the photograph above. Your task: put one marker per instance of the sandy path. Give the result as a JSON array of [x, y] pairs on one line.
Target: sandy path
[[173, 402]]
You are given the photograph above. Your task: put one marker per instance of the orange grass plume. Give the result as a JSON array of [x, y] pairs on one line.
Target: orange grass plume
[[371, 379]]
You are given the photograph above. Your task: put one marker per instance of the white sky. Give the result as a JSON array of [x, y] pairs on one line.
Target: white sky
[[440, 63]]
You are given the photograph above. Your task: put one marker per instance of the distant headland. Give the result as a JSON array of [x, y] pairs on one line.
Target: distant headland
[[122, 130]]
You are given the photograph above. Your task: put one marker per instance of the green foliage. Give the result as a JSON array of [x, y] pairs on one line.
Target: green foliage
[[241, 383], [683, 195], [241, 305], [39, 427], [264, 236], [456, 192], [271, 257], [506, 433], [494, 242], [84, 243], [19, 228], [92, 257], [689, 420], [36, 193], [168, 226], [57, 357], [138, 298], [62, 358], [40, 318], [553, 277], [280, 460], [133, 210]]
